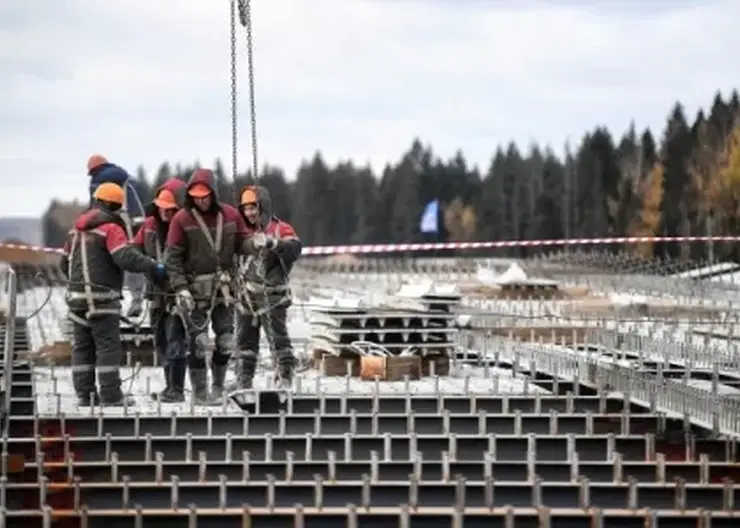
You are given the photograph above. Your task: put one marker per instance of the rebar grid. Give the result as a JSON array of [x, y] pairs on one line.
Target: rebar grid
[[610, 399]]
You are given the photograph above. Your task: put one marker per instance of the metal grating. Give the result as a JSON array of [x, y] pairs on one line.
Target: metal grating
[[602, 435]]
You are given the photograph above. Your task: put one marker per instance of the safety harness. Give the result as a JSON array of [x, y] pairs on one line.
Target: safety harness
[[206, 287], [80, 239], [275, 296]]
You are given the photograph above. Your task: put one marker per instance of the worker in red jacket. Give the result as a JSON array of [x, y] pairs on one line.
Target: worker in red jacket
[[170, 338], [95, 256], [204, 238], [265, 290]]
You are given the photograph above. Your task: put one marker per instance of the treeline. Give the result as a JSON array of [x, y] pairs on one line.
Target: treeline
[[685, 182]]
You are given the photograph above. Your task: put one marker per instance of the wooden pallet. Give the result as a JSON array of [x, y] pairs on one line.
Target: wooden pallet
[[384, 368]]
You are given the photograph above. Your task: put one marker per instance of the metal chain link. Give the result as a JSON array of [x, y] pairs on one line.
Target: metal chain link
[[245, 17], [234, 107]]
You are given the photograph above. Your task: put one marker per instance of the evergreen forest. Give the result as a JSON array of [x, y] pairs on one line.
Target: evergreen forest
[[683, 180]]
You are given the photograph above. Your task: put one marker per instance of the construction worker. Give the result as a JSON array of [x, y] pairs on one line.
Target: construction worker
[[100, 171], [265, 293], [170, 338], [204, 238], [95, 256]]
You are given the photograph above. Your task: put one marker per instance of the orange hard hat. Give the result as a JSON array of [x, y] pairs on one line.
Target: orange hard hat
[[94, 161], [199, 190], [165, 200], [110, 192], [249, 196]]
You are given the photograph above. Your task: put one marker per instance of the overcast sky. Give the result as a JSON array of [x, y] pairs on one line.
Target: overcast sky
[[143, 81]]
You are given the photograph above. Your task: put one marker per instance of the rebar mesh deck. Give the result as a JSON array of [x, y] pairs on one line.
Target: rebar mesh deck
[[628, 429]]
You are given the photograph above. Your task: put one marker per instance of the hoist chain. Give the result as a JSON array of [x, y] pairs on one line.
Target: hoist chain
[[234, 106], [245, 18]]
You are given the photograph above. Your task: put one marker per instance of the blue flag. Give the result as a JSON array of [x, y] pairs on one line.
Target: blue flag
[[430, 218]]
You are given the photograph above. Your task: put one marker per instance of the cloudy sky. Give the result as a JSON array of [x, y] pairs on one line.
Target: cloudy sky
[[143, 81]]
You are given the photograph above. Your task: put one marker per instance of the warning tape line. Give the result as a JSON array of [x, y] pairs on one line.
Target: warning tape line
[[366, 249]]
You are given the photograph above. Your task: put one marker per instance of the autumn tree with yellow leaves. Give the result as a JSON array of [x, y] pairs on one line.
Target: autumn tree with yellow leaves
[[647, 223], [728, 178], [715, 175], [460, 221]]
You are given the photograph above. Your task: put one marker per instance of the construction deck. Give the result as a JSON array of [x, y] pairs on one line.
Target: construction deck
[[600, 435]]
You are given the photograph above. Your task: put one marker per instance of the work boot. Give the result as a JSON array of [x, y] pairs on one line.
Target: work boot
[[199, 384], [176, 387], [286, 366], [124, 401], [111, 394], [174, 391], [218, 373], [247, 366], [167, 376]]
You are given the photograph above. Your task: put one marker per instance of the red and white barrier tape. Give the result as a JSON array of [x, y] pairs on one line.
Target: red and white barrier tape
[[366, 249]]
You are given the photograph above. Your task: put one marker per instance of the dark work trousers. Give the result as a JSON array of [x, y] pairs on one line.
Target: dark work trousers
[[170, 337], [222, 324], [171, 342], [97, 347], [276, 328]]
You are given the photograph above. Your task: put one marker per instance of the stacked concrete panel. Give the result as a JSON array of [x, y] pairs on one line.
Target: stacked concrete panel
[[416, 319]]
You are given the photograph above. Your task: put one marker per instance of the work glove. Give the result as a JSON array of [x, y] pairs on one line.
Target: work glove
[[263, 241], [136, 308], [184, 300], [159, 274]]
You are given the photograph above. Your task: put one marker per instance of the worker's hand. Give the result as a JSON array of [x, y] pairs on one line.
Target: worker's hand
[[136, 308], [263, 241], [184, 300], [159, 273]]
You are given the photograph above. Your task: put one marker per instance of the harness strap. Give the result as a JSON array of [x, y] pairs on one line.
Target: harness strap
[[216, 244], [77, 319], [80, 239], [158, 247], [86, 272], [222, 278], [73, 246], [98, 296]]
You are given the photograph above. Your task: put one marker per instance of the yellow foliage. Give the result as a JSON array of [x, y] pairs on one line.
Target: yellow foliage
[[469, 222], [653, 199], [716, 179], [647, 223], [460, 221], [729, 174]]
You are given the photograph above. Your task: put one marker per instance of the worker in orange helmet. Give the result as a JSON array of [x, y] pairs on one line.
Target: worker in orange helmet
[[170, 338], [94, 258], [203, 239], [100, 171], [265, 294]]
